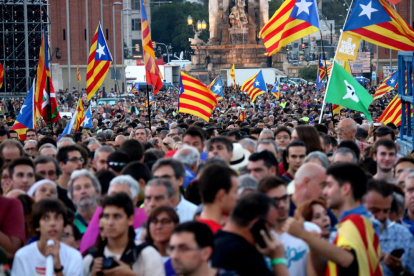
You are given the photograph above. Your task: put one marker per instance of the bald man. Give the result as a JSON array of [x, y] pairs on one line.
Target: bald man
[[346, 130], [119, 140]]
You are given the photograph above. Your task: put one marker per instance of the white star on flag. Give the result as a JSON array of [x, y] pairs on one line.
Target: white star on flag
[[367, 10], [101, 50], [303, 6], [257, 83], [21, 110], [86, 120], [392, 81], [217, 87]]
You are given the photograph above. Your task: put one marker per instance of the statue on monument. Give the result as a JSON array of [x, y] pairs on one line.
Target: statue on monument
[[237, 17]]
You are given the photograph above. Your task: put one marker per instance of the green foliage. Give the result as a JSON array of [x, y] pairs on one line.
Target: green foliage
[[335, 10], [273, 6], [169, 23], [309, 73]]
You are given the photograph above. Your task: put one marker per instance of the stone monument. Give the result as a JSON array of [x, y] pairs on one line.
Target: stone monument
[[234, 27]]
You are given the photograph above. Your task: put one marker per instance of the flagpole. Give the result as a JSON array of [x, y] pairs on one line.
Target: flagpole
[[149, 108], [336, 52]]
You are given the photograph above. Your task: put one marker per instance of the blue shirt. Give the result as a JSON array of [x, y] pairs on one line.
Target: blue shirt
[[397, 236], [189, 176], [409, 223]]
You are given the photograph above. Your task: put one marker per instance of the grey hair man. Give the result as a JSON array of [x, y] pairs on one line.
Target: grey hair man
[[100, 159], [125, 184], [65, 141], [48, 149], [93, 144], [190, 157], [270, 145], [266, 134], [30, 146], [317, 157], [84, 190], [176, 131], [248, 144], [344, 155]]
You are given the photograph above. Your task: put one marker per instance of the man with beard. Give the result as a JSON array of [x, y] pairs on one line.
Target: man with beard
[[296, 250], [384, 153], [84, 190], [393, 236]]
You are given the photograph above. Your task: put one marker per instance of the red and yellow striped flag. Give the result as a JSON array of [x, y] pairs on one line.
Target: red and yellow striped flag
[[392, 114], [336, 108], [289, 24], [357, 232], [250, 89], [79, 116], [79, 74], [152, 72], [242, 116], [99, 61], [195, 98], [233, 75], [1, 75]]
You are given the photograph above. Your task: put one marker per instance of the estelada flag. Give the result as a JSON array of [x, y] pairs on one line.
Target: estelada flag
[[293, 20], [195, 98], [99, 61], [376, 22], [25, 119], [254, 86]]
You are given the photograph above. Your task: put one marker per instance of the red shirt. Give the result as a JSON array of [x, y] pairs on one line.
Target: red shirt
[[12, 218], [214, 226]]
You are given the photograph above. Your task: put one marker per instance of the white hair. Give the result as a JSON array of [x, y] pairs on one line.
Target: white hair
[[125, 180], [188, 155], [83, 173], [64, 139]]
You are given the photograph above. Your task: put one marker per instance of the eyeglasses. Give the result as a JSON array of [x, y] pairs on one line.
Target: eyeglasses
[[75, 159], [282, 137], [164, 221], [280, 199], [30, 149], [116, 164], [181, 249]]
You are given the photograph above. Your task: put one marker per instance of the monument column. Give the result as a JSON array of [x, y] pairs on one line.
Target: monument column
[[225, 22], [252, 22], [214, 20], [264, 13]]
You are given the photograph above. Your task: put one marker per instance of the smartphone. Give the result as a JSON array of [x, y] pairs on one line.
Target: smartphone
[[397, 253], [256, 229]]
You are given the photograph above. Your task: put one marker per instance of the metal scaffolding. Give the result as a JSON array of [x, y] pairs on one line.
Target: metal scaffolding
[[21, 24]]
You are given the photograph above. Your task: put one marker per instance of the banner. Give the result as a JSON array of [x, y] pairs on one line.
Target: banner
[[348, 47]]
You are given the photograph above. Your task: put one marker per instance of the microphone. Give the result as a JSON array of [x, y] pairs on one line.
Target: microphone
[[49, 261]]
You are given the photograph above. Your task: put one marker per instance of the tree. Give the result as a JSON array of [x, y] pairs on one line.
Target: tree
[[274, 5], [169, 23], [309, 73]]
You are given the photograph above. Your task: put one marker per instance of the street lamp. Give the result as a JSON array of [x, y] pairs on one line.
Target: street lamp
[[201, 25], [113, 30]]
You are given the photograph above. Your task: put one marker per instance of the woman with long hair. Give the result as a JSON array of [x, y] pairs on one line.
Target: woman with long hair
[[308, 135]]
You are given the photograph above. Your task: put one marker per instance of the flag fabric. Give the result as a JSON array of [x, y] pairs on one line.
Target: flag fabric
[[152, 72], [276, 90], [321, 73], [242, 116], [79, 117], [336, 108], [87, 119], [376, 22], [99, 61], [169, 91], [356, 232], [195, 98], [151, 100], [345, 90], [78, 74], [1, 75], [293, 20], [233, 75], [135, 88], [25, 119], [392, 114], [45, 98], [69, 127], [329, 70], [254, 86], [390, 83], [216, 86]]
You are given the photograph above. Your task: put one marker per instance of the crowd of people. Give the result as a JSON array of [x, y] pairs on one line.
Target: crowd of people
[[276, 194]]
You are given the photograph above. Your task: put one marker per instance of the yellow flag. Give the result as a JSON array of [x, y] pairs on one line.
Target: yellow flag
[[347, 47], [233, 75]]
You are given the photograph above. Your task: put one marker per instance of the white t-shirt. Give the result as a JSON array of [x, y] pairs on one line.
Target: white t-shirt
[[28, 261], [296, 250], [185, 210], [149, 262]]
